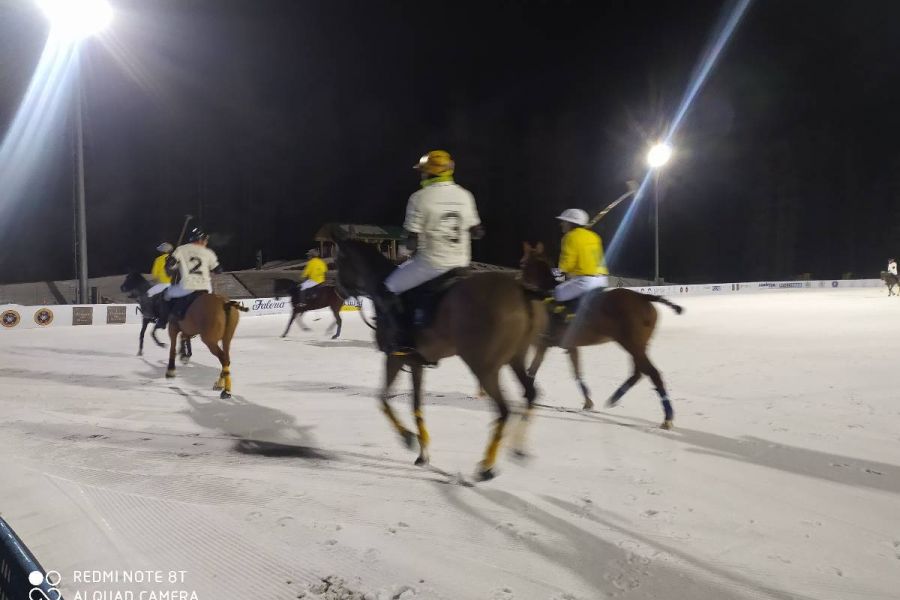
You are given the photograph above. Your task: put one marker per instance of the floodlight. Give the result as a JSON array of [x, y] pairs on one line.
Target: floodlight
[[77, 19], [659, 155]]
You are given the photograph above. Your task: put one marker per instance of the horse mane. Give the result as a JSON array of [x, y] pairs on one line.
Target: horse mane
[[537, 259], [373, 260]]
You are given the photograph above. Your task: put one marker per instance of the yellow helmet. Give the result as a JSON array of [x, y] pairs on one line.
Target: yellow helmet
[[436, 162]]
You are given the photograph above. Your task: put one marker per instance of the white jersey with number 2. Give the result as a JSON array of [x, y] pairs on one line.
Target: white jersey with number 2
[[194, 264], [441, 214]]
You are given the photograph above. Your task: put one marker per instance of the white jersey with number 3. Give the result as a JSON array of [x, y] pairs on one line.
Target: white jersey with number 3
[[441, 214], [194, 264]]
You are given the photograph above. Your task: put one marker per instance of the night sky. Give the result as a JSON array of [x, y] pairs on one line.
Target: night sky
[[270, 118]]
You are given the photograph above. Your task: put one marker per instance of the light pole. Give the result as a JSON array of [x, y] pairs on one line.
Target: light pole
[[657, 158], [73, 21]]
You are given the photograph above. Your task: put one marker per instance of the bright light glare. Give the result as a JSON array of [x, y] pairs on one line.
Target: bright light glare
[[659, 155], [77, 19]]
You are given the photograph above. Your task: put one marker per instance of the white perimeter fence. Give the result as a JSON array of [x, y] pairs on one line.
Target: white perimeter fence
[[14, 316]]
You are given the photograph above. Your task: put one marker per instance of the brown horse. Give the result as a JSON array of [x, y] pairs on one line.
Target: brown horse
[[621, 315], [214, 319], [487, 319], [321, 296]]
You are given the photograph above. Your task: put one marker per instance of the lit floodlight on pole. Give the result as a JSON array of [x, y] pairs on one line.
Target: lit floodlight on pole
[[71, 23], [657, 158], [659, 155], [77, 19]]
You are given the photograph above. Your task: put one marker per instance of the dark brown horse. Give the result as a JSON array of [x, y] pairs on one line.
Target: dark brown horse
[[487, 319], [621, 315], [136, 287], [890, 280], [214, 319], [320, 296]]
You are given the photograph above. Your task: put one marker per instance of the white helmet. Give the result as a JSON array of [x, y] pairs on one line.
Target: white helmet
[[165, 247], [574, 215]]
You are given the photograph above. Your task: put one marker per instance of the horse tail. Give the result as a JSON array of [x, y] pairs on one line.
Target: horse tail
[[232, 316], [234, 304], [678, 309]]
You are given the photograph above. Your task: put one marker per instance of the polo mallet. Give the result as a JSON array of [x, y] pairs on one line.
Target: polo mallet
[[632, 189], [187, 219]]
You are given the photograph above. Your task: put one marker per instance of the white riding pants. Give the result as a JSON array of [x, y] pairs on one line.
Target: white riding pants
[[575, 287], [157, 289], [410, 274]]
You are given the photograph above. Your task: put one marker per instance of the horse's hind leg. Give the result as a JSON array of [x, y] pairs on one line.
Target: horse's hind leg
[[643, 364], [424, 438], [527, 381], [391, 368], [575, 359], [490, 382], [623, 389], [222, 382]]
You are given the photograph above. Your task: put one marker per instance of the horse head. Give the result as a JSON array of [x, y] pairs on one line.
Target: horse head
[[282, 286], [361, 268], [537, 272], [134, 284]]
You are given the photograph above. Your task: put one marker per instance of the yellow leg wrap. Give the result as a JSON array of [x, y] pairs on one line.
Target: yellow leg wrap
[[393, 419], [490, 457], [518, 442], [424, 438], [228, 383]]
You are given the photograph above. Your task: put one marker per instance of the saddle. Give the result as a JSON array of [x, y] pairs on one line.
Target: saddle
[[420, 303], [180, 306]]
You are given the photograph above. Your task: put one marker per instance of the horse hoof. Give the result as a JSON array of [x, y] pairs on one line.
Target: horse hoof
[[588, 406], [170, 373], [225, 395], [334, 337], [485, 474], [421, 461], [140, 353], [409, 439], [667, 424]]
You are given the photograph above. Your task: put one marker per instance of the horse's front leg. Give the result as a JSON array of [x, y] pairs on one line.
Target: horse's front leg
[[300, 321], [340, 323], [141, 337], [419, 415], [153, 335], [391, 370], [576, 370], [539, 352], [173, 346], [290, 322]]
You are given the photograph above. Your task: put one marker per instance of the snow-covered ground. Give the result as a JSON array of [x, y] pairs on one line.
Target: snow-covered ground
[[780, 480]]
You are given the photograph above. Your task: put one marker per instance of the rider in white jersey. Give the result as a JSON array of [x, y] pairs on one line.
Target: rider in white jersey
[[191, 264], [441, 220]]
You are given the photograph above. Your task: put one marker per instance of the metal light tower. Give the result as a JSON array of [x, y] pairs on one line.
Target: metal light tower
[[74, 21], [657, 158]]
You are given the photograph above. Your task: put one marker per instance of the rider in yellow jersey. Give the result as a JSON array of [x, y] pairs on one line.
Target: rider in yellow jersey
[[313, 274], [158, 270], [580, 258]]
